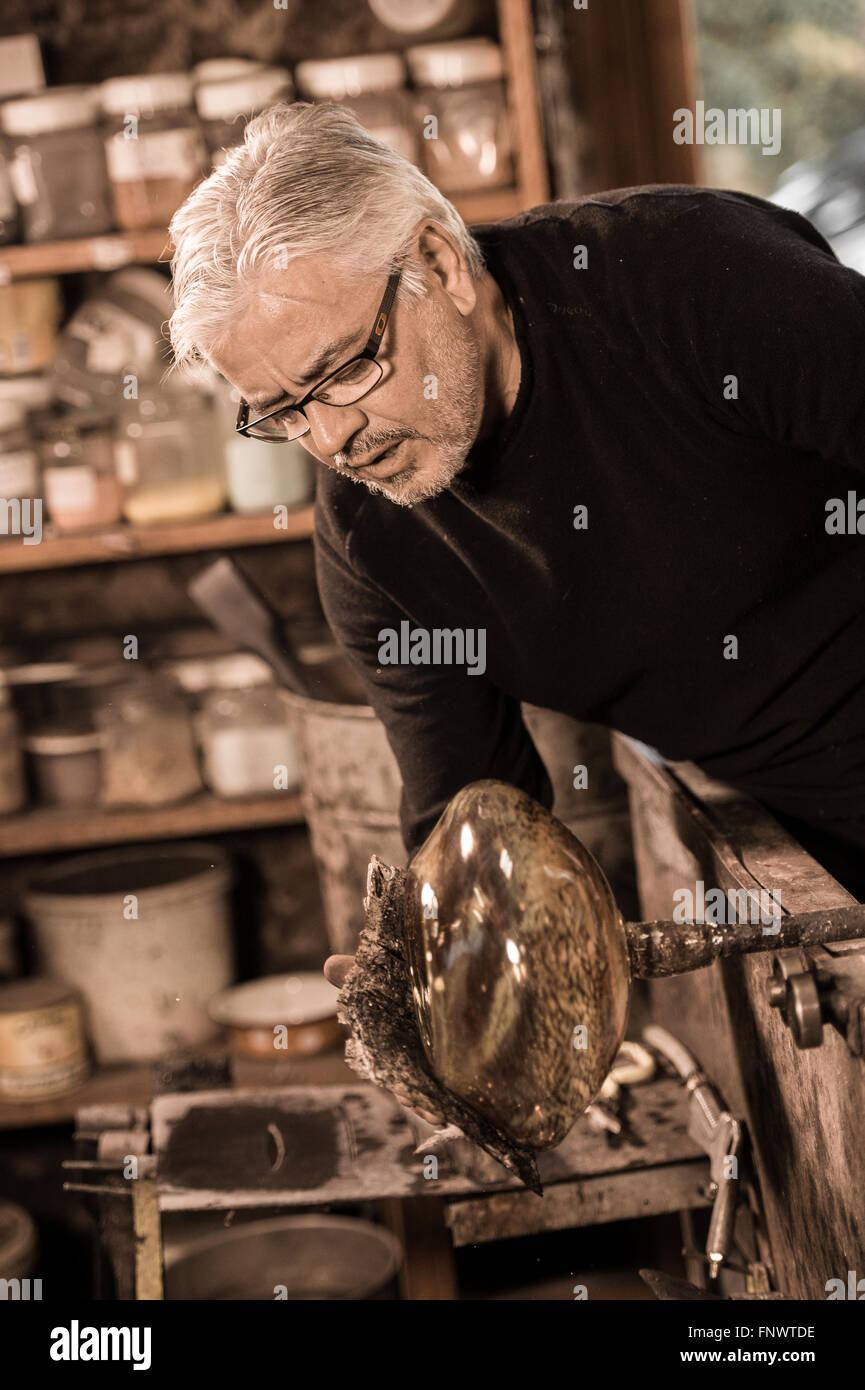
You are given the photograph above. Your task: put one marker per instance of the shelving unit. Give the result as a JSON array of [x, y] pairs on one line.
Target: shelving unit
[[122, 542], [46, 829]]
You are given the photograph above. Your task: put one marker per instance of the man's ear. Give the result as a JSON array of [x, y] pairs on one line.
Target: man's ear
[[443, 259]]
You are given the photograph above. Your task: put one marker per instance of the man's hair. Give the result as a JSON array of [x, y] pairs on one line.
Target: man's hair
[[306, 179]]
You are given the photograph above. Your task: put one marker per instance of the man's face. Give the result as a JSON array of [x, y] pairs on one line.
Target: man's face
[[408, 437]]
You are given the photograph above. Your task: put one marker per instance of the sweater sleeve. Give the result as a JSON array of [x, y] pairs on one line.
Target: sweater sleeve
[[446, 727]]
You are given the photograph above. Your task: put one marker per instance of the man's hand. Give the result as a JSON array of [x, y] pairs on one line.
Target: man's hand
[[336, 970]]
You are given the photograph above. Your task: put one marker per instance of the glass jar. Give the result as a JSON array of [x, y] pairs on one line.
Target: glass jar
[[57, 163], [78, 473], [19, 461], [247, 745], [148, 750], [169, 457], [8, 206], [226, 105], [373, 85], [467, 143], [66, 764], [155, 150], [13, 793], [29, 316]]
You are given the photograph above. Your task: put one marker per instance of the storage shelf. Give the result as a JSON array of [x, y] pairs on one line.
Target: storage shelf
[[52, 829], [123, 542], [133, 1085], [110, 252], [144, 248]]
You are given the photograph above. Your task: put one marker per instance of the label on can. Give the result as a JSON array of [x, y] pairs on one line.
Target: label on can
[[42, 1051]]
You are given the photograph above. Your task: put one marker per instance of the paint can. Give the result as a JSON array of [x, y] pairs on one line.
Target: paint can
[[43, 1050]]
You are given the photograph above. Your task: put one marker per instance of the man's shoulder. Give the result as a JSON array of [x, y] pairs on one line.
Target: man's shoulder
[[647, 212]]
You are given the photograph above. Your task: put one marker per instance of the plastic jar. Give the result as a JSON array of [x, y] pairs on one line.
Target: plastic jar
[[148, 750], [226, 105], [57, 163], [19, 460], [246, 742], [169, 457], [468, 147], [78, 474], [29, 315], [155, 151], [373, 85], [66, 765], [13, 793]]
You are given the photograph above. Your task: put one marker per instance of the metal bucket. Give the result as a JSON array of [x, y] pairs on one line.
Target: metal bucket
[[145, 936], [287, 1257], [351, 791], [599, 813]]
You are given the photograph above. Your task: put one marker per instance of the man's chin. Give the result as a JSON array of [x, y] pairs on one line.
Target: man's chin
[[414, 484]]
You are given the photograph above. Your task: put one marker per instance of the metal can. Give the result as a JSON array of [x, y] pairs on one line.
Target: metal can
[[43, 1050]]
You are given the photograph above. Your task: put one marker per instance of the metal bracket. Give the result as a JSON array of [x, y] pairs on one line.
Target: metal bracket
[[819, 987]]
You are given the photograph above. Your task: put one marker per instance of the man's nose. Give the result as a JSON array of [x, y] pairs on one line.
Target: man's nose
[[332, 426]]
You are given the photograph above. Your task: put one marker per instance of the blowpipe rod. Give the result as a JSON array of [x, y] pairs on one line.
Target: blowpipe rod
[[673, 948]]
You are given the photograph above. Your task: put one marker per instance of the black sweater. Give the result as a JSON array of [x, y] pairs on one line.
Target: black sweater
[[706, 513]]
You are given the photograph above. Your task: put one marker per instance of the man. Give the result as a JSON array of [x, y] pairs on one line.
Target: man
[[625, 439]]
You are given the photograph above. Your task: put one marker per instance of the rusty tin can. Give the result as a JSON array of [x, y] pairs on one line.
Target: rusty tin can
[[43, 1049]]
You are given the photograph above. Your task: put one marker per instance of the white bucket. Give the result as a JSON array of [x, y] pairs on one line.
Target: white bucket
[[144, 933]]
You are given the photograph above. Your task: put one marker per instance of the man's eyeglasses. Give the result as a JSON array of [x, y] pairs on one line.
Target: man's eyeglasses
[[346, 385]]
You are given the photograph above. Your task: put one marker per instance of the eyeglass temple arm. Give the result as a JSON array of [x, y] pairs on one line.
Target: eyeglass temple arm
[[381, 322]]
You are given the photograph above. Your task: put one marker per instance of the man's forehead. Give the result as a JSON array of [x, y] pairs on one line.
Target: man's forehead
[[297, 326]]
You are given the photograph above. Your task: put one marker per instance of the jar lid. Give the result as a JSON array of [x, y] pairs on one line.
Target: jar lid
[[455, 64], [223, 100], [27, 392], [12, 415], [221, 69], [411, 16], [155, 91], [338, 78], [35, 992], [59, 108], [61, 740]]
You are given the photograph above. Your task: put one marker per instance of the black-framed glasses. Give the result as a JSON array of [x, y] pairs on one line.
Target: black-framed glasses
[[346, 385]]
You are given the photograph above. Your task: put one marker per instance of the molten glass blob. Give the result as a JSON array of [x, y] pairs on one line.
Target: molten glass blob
[[518, 961]]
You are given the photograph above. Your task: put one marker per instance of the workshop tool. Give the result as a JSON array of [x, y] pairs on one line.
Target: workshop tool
[[236, 608], [632, 1065], [520, 967], [716, 1131]]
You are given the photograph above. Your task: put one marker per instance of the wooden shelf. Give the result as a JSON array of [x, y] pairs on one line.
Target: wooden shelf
[[144, 248], [52, 829], [110, 252], [132, 1084], [123, 542]]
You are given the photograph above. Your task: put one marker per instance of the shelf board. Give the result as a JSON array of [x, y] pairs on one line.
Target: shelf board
[[122, 542], [110, 252], [118, 249], [51, 829], [133, 1084]]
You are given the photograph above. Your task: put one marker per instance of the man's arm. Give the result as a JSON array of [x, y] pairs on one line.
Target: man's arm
[[446, 727]]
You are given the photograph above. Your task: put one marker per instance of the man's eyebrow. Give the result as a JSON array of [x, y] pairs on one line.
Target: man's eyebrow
[[317, 369]]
